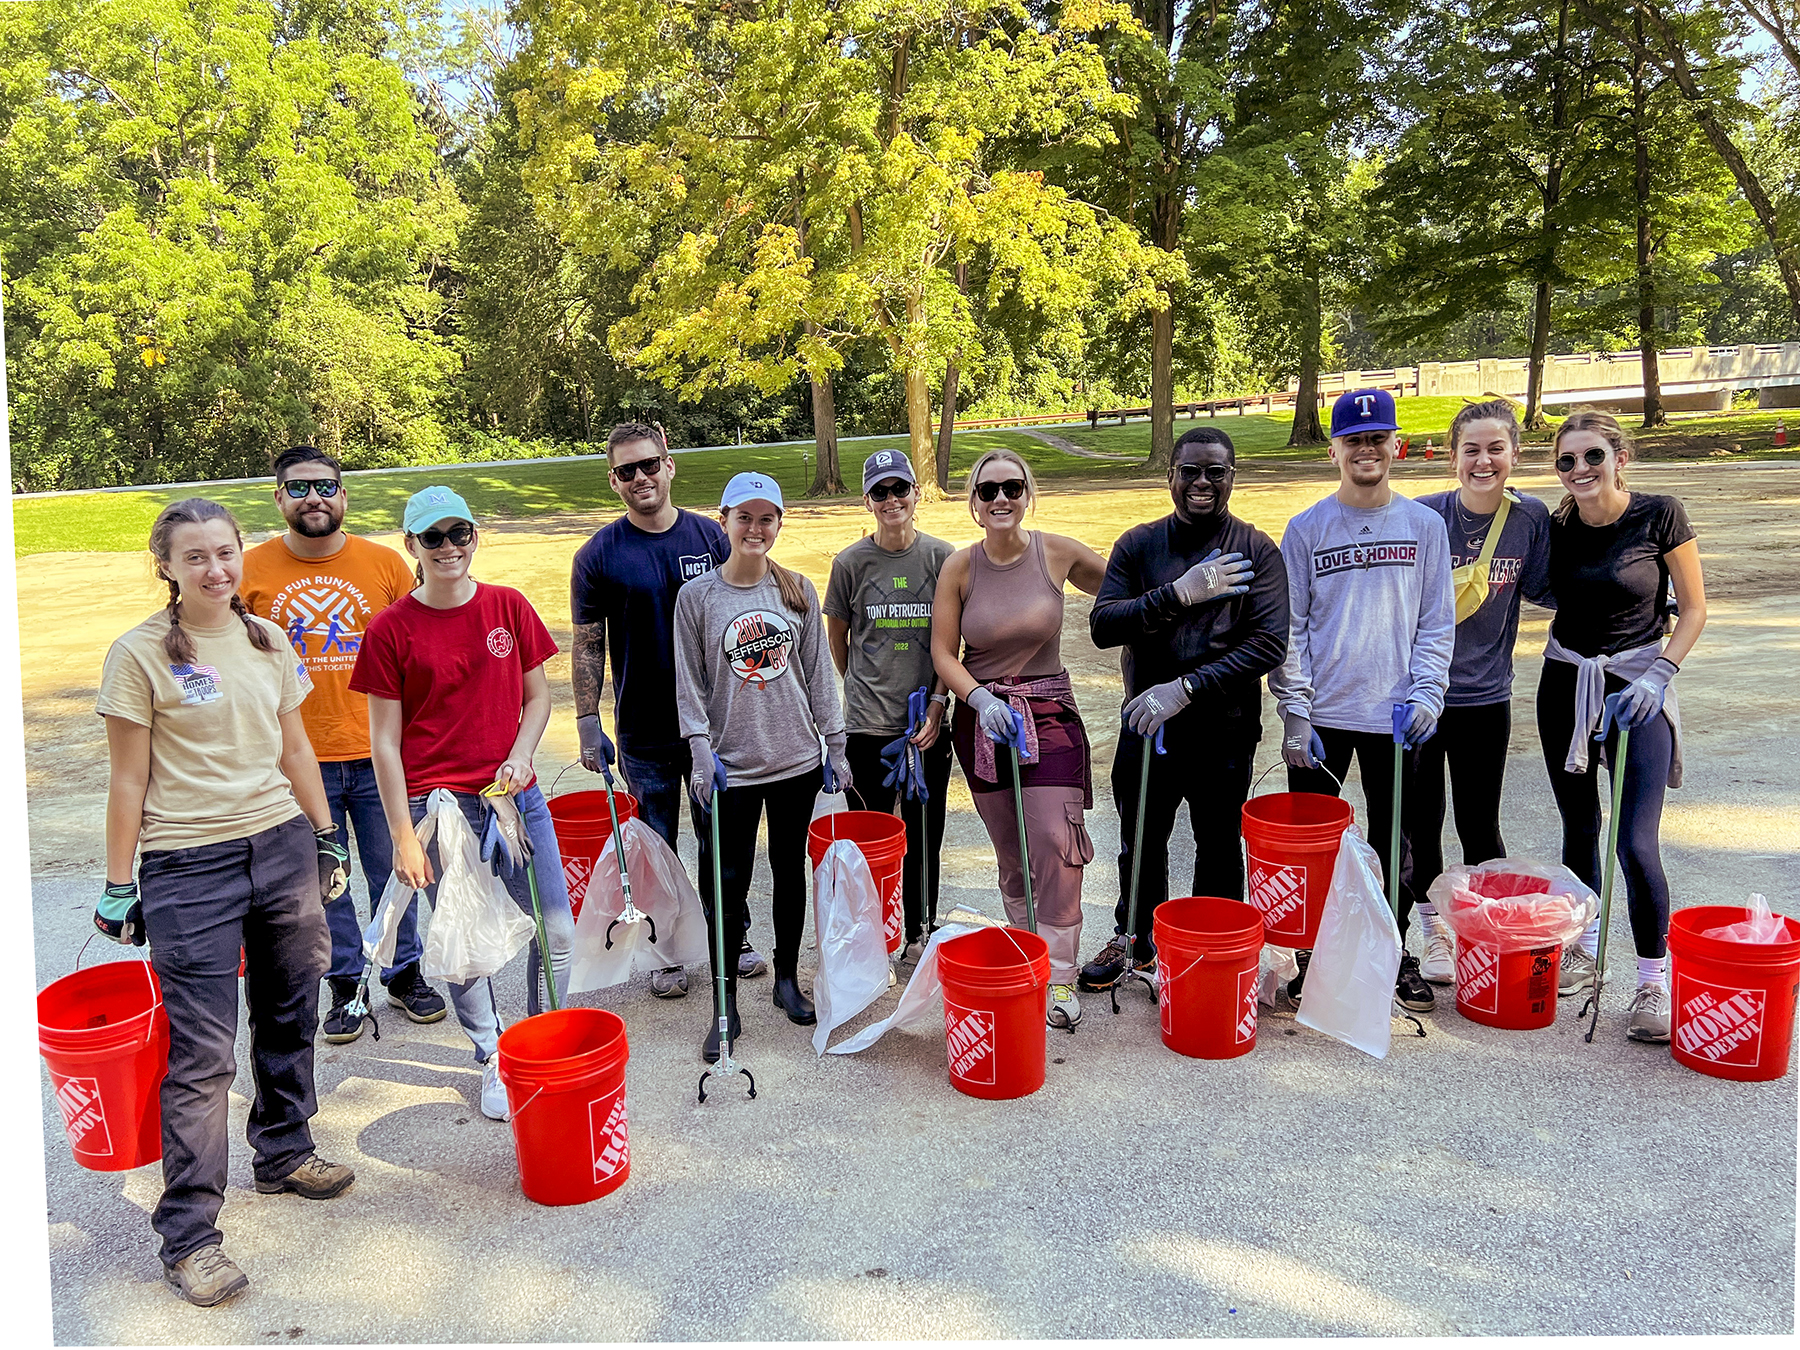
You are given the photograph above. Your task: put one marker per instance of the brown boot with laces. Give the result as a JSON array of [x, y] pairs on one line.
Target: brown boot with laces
[[207, 1277]]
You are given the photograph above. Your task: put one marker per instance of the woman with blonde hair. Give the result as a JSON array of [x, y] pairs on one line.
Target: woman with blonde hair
[[996, 641]]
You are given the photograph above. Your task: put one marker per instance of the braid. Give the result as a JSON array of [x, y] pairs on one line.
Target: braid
[[176, 643], [259, 636]]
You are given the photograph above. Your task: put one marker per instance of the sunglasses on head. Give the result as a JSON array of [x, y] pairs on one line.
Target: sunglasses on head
[[297, 488], [1014, 488], [459, 534], [648, 467], [882, 491], [1594, 454], [1213, 473]]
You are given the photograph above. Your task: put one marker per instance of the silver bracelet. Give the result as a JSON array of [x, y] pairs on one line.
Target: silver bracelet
[[943, 700]]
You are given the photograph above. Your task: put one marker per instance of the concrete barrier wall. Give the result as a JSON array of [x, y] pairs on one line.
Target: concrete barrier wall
[[1768, 365]]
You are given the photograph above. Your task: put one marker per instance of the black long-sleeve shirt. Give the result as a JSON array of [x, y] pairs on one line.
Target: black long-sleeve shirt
[[1227, 645]]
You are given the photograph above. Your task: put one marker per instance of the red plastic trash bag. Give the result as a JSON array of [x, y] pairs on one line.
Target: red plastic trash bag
[[1760, 924], [1514, 904]]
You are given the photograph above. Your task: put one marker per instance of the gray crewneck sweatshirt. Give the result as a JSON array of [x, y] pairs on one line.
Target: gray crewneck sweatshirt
[[1372, 621], [754, 677]]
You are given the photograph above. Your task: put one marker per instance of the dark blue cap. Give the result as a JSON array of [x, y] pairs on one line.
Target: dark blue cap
[[1363, 410]]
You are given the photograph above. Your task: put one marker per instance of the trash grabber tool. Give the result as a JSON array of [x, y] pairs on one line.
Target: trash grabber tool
[[1402, 715], [1137, 860], [514, 840], [631, 913], [725, 1065], [1018, 737], [1607, 722]]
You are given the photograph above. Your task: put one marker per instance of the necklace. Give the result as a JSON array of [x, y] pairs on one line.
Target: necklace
[[1380, 525]]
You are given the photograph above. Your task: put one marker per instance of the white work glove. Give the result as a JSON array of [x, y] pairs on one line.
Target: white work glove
[[1213, 576]]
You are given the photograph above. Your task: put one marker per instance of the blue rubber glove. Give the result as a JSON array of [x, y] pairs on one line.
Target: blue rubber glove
[[1413, 725], [1300, 744], [598, 753], [707, 774], [1643, 697], [1150, 711], [120, 914]]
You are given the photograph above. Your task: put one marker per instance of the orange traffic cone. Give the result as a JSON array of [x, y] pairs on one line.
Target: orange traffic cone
[[1430, 449], [1401, 452], [1780, 431]]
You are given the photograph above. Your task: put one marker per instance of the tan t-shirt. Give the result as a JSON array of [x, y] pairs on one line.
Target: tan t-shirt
[[215, 729]]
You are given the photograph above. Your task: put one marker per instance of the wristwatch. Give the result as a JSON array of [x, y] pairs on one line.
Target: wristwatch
[[1191, 687]]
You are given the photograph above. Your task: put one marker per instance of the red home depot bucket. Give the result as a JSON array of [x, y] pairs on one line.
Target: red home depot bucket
[[1291, 845], [882, 839], [1207, 953], [565, 1092], [996, 981], [1512, 990], [104, 1035], [1733, 1014], [583, 825]]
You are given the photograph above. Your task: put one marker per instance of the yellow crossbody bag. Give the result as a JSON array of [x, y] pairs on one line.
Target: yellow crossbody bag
[[1470, 581]]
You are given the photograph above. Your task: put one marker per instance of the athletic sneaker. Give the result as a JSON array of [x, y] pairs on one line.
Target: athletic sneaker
[[207, 1277], [750, 963], [1065, 1008], [669, 982], [1650, 1014], [1577, 970], [1410, 987], [1108, 966], [315, 1179], [1439, 965], [341, 1026], [1297, 985], [493, 1091], [417, 999]]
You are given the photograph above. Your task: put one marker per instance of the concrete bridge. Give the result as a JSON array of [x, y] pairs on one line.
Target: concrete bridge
[[1694, 379]]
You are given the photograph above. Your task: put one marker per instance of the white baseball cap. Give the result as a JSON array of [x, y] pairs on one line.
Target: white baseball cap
[[751, 487]]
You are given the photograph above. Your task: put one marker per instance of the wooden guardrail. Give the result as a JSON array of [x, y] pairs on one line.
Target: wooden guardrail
[[1211, 406]]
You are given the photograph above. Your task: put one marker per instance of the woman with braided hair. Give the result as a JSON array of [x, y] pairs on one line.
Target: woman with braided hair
[[216, 796]]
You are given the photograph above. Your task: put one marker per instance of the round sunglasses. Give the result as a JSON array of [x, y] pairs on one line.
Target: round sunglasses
[[297, 488], [648, 467], [1213, 473], [433, 539], [1014, 488], [1594, 454]]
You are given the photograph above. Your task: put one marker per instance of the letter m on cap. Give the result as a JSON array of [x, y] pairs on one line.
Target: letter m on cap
[[1365, 405]]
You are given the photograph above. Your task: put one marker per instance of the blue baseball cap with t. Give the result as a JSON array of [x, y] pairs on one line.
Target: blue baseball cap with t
[[1363, 410]]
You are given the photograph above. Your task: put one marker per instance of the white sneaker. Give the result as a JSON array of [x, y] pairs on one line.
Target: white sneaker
[[1650, 1014], [1577, 971], [1439, 965], [893, 979], [1065, 1008], [493, 1091]]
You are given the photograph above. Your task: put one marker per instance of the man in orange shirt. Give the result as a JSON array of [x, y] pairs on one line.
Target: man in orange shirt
[[321, 587]]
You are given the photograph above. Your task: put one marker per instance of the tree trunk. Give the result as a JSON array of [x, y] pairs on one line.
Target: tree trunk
[[1307, 428], [828, 480], [1648, 341], [1162, 344], [1550, 227], [918, 425], [1534, 367], [946, 427]]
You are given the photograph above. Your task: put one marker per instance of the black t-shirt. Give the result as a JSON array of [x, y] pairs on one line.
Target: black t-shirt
[[1612, 581]]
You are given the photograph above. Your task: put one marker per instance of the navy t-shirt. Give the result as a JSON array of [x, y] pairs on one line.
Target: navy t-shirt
[[1612, 581], [1481, 672], [626, 578]]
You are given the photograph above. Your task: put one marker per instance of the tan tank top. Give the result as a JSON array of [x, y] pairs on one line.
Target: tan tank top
[[1012, 617]]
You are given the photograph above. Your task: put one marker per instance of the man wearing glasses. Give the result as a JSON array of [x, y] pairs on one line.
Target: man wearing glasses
[[322, 586], [1199, 602], [622, 599]]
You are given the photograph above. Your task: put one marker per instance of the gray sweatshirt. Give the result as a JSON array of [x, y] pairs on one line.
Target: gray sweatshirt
[[754, 676], [1372, 620]]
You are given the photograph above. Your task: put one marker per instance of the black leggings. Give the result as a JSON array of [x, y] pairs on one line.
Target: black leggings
[[790, 805], [868, 793], [1472, 743], [1374, 752], [1648, 757]]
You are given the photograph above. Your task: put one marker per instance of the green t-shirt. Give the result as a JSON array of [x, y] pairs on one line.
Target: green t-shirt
[[886, 599]]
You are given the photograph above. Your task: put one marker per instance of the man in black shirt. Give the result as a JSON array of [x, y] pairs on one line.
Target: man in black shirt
[[1199, 602]]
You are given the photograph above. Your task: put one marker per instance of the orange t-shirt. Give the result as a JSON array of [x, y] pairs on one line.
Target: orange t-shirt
[[324, 606]]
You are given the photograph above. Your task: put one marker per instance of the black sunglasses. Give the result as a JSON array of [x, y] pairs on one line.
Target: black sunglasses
[[1213, 473], [1014, 488], [648, 467], [459, 534], [1594, 454], [882, 491], [297, 488]]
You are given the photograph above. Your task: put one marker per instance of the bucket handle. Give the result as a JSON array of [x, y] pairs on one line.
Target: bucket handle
[[832, 815], [514, 1115], [1170, 979], [559, 777], [149, 979], [1279, 764]]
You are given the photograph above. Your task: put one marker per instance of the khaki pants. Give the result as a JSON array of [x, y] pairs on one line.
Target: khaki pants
[[1056, 831]]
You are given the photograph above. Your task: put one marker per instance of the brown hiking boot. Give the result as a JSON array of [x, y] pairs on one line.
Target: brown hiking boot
[[315, 1179], [207, 1277]]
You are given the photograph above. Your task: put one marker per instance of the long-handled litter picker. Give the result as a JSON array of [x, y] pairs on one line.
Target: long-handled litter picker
[[1610, 720], [1137, 859], [630, 914], [1018, 738], [725, 1065], [505, 818], [1402, 714]]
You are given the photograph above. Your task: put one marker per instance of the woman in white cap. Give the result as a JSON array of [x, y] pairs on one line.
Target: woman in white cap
[[753, 687], [458, 699]]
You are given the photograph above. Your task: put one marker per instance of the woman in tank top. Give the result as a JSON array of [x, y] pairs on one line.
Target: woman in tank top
[[996, 640]]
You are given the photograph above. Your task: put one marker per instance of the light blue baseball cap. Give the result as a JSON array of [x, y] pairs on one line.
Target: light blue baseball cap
[[428, 506], [751, 487]]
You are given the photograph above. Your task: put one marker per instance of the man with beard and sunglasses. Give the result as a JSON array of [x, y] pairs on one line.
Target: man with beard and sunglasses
[[321, 586], [622, 599], [1199, 602]]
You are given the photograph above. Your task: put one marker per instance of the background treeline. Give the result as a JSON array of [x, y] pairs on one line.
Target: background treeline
[[414, 232]]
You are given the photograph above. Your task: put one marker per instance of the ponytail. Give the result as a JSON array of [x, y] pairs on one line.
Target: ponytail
[[195, 511], [792, 588]]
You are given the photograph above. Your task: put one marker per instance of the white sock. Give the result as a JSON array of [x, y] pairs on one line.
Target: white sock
[[1650, 970], [1428, 919], [1590, 940]]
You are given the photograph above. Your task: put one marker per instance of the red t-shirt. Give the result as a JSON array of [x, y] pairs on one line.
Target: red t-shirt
[[459, 676]]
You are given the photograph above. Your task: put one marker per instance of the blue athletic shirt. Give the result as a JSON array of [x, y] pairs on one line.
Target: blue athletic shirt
[[626, 579], [1481, 672]]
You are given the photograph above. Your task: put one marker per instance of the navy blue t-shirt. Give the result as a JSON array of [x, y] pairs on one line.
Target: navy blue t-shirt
[[1481, 672], [626, 578]]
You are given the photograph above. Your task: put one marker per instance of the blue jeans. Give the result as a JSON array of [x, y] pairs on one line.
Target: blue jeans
[[356, 805], [659, 783], [476, 1007]]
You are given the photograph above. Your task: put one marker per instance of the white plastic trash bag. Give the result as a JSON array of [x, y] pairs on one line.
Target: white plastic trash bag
[[853, 958], [921, 1006], [475, 927], [1276, 969], [382, 935], [659, 888], [1349, 991]]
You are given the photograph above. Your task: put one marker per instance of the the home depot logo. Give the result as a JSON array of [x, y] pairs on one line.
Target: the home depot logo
[[969, 1036], [1279, 891], [84, 1119], [576, 872], [1719, 1025], [1162, 996], [1478, 976], [892, 912], [607, 1132], [1246, 1023]]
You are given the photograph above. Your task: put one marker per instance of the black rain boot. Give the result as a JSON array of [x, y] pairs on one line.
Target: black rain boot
[[709, 1049], [791, 1001]]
